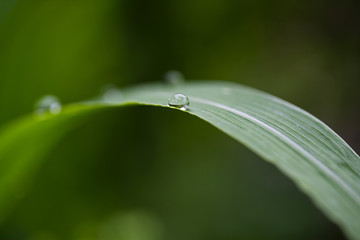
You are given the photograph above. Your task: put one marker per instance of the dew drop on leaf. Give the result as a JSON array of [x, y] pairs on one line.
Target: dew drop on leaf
[[174, 77], [111, 94], [179, 100], [48, 104]]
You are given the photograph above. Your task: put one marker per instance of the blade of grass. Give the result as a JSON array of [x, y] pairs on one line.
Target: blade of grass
[[301, 146]]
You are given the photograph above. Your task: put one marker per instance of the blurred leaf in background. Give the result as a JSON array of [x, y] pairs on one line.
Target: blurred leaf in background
[[117, 173], [67, 48]]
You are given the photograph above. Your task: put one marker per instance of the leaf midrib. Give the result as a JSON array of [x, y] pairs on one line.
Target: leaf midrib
[[331, 174]]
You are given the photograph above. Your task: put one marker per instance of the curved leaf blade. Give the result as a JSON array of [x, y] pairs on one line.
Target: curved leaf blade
[[305, 149]]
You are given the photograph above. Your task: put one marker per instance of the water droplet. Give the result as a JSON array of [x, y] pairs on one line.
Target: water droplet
[[179, 100], [174, 77], [48, 103], [111, 94]]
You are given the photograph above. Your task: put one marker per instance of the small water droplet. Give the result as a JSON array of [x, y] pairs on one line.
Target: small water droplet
[[174, 77], [48, 103], [111, 94], [179, 100]]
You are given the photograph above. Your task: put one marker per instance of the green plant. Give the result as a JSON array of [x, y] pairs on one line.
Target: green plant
[[306, 150]]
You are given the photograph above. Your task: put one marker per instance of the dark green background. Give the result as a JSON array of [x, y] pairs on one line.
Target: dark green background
[[150, 174]]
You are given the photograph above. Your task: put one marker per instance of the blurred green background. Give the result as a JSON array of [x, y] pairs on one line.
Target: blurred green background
[[143, 173]]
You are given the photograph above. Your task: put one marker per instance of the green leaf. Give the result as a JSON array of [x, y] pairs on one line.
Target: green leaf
[[302, 147]]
